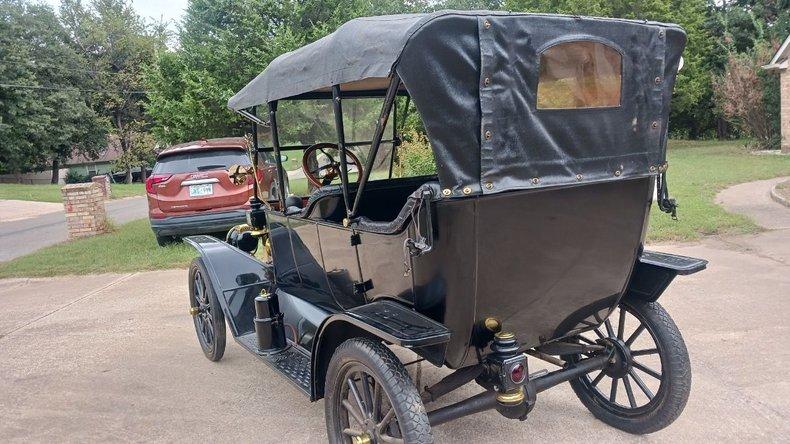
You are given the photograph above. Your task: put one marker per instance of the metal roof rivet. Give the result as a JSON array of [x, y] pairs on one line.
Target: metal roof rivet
[[658, 80], [654, 125], [488, 135], [535, 180], [489, 186], [467, 190], [447, 192], [579, 177], [487, 81], [486, 24], [661, 34], [617, 173], [652, 167]]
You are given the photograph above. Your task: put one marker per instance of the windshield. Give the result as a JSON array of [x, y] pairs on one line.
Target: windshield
[[307, 122], [200, 161]]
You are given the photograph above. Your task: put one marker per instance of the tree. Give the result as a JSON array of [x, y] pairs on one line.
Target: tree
[[742, 29], [117, 44], [740, 93], [45, 116], [224, 45]]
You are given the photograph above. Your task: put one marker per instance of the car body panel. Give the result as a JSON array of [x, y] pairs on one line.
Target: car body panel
[[190, 192]]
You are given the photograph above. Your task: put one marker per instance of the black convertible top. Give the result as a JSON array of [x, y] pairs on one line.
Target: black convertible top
[[473, 76]]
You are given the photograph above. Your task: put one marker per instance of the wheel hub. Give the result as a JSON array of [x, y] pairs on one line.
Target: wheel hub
[[621, 359], [361, 439]]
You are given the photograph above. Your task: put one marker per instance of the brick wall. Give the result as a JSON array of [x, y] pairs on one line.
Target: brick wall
[[85, 213], [104, 185], [784, 114]]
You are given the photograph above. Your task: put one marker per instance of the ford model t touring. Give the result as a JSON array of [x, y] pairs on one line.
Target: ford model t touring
[[549, 138]]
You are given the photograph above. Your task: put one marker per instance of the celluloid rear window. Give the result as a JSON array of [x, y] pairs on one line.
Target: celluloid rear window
[[579, 74]]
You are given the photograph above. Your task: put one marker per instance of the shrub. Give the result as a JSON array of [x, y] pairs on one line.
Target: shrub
[[740, 94], [75, 177], [415, 156]]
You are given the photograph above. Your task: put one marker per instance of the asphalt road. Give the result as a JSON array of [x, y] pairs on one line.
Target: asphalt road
[[114, 358], [20, 237]]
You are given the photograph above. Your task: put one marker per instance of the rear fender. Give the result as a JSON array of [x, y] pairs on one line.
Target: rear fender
[[654, 272], [236, 276], [384, 320]]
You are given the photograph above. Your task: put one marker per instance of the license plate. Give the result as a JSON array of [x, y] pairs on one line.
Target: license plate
[[204, 189]]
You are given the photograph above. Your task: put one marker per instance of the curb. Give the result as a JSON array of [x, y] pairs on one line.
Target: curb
[[778, 198]]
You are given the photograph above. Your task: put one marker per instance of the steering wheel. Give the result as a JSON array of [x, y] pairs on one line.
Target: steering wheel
[[322, 175]]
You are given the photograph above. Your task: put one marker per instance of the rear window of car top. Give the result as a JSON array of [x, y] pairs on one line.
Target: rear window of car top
[[205, 160], [579, 74]]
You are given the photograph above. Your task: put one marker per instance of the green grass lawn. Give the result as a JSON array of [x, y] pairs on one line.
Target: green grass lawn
[[129, 247], [51, 193], [697, 171]]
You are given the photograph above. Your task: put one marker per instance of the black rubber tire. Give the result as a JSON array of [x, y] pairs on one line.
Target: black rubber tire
[[676, 377], [164, 241], [215, 351], [390, 373]]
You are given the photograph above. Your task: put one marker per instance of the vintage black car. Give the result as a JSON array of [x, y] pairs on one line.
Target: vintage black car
[[549, 138]]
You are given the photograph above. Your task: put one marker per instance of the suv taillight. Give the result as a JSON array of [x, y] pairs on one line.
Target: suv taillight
[[155, 179]]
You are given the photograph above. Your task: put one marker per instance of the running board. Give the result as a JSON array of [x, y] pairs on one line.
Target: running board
[[682, 265], [292, 362], [654, 271]]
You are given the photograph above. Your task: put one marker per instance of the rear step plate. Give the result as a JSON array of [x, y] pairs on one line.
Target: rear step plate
[[682, 264], [292, 362]]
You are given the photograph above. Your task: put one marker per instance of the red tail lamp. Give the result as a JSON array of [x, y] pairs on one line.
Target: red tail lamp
[[155, 179]]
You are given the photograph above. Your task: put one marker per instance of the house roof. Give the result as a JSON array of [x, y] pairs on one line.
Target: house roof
[[780, 59], [110, 154]]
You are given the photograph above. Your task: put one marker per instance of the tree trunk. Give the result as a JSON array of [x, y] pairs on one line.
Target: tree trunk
[[143, 173], [722, 129], [128, 174], [55, 171]]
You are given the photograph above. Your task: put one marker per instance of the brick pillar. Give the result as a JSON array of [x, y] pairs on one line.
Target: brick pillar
[[104, 185], [784, 112], [85, 214]]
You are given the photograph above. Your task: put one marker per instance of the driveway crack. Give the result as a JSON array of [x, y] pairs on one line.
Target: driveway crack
[[81, 298]]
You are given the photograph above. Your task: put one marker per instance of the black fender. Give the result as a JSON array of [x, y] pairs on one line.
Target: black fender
[[236, 276], [654, 271], [385, 320]]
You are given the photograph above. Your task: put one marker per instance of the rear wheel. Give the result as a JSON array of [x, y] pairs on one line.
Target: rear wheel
[[206, 312], [647, 383], [370, 397]]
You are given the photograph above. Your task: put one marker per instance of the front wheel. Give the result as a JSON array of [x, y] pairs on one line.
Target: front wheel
[[648, 381], [370, 397], [206, 312]]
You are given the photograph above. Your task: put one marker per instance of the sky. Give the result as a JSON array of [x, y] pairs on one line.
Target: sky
[[169, 10]]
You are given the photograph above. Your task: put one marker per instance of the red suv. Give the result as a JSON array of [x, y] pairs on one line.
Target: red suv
[[189, 191]]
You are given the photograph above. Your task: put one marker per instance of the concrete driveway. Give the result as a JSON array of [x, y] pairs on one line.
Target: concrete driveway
[[115, 358], [47, 224]]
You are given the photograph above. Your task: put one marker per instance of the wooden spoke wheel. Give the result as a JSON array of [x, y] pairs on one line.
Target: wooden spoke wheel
[[371, 399], [206, 312], [647, 382]]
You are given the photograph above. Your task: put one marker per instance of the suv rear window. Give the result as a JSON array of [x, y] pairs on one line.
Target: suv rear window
[[201, 161]]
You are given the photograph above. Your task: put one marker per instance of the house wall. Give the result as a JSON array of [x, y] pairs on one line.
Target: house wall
[[44, 177]]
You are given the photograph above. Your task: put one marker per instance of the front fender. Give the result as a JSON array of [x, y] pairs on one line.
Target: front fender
[[236, 276], [384, 320], [654, 271]]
